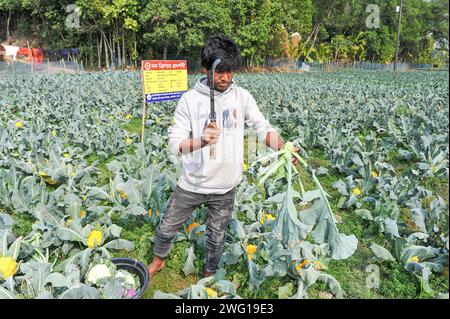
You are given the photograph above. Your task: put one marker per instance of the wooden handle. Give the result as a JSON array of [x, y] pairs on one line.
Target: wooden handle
[[212, 148], [212, 152]]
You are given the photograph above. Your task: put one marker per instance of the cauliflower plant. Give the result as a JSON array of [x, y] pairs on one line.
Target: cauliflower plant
[[100, 272], [127, 278]]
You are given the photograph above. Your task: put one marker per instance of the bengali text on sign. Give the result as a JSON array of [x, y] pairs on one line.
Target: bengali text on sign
[[164, 79]]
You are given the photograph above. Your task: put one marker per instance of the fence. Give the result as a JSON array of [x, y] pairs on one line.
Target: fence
[[330, 66], [11, 67], [374, 66]]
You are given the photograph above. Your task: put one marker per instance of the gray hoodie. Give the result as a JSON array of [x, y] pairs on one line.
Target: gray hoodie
[[233, 107]]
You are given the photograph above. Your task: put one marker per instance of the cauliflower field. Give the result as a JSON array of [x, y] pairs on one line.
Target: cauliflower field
[[364, 215]]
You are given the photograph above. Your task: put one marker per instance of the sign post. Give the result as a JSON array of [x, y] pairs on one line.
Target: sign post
[[162, 80]]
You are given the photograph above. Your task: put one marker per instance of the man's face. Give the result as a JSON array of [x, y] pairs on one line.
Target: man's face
[[222, 80]]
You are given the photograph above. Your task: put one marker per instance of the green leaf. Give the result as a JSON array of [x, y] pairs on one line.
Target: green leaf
[[289, 229], [189, 267], [301, 291], [162, 295], [6, 294], [57, 280], [14, 249], [232, 254], [99, 193], [284, 292], [80, 292], [135, 210], [65, 233], [365, 214], [391, 228], [119, 244], [381, 252], [311, 195], [333, 284], [115, 230]]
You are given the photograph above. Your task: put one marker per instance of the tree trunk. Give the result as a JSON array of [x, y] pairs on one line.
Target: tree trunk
[[8, 19], [124, 57], [99, 52], [316, 26], [111, 49], [314, 42], [135, 52], [119, 52], [106, 52], [91, 52], [117, 48], [165, 52]]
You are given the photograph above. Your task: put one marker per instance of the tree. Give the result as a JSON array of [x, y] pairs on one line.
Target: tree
[[8, 6], [183, 25], [381, 45], [253, 22], [116, 30]]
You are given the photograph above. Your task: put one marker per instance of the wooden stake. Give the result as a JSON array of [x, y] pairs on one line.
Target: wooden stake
[[64, 63], [143, 106], [12, 65]]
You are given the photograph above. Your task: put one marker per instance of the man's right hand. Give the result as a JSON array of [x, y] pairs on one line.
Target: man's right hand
[[211, 134]]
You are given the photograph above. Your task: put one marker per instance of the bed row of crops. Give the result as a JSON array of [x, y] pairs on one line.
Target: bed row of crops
[[75, 183]]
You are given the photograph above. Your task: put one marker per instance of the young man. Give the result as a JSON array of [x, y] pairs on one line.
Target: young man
[[206, 180]]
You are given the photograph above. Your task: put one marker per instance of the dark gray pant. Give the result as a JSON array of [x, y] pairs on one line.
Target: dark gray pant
[[179, 209]]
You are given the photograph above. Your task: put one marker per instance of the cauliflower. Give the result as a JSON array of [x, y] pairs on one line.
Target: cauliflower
[[127, 278], [102, 273], [8, 267], [98, 272]]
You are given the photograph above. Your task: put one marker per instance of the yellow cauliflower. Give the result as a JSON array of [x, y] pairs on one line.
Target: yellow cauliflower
[[94, 239], [8, 267]]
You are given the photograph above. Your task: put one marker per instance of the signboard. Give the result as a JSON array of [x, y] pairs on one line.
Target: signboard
[[164, 80]]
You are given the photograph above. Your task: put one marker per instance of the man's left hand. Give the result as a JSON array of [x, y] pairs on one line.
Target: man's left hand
[[295, 159]]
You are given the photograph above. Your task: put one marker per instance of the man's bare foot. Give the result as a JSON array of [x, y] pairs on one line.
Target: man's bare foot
[[156, 265]]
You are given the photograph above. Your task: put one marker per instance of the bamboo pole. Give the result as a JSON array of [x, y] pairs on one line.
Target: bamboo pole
[[64, 63], [12, 65], [143, 106]]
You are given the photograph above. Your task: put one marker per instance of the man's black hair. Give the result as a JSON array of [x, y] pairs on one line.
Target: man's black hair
[[220, 47]]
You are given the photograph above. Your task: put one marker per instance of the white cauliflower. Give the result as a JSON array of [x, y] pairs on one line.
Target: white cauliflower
[[97, 273], [128, 278]]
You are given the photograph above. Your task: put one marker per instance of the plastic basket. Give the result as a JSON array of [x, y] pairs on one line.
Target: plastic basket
[[137, 268]]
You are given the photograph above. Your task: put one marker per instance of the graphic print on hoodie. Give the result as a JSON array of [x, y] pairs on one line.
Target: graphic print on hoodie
[[234, 107]]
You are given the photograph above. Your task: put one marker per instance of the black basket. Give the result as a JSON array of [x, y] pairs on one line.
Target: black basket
[[137, 268]]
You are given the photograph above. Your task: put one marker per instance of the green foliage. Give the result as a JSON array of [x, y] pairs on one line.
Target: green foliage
[[329, 30], [383, 134]]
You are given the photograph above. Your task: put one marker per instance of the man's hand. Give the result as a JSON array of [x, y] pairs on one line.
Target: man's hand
[[276, 143], [211, 134], [294, 159]]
